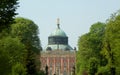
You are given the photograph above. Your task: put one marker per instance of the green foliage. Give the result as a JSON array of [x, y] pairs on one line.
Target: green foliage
[[41, 72], [5, 66], [90, 45], [30, 63], [82, 55], [111, 48], [15, 49], [19, 46], [11, 51], [18, 69], [99, 50], [93, 66], [104, 70], [27, 31], [98, 28], [7, 12]]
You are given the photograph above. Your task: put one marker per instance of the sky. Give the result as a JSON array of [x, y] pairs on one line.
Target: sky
[[76, 16]]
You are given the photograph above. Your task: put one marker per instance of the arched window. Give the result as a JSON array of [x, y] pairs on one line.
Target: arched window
[[58, 71], [48, 48], [67, 49], [50, 70], [65, 72]]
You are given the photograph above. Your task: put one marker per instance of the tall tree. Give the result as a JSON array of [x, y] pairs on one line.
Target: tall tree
[[7, 12], [90, 46], [111, 42], [27, 31]]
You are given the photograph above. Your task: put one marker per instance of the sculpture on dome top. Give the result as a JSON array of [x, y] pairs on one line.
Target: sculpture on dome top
[[58, 23]]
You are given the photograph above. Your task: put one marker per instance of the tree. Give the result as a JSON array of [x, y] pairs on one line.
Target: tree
[[90, 45], [111, 44], [27, 31], [7, 12]]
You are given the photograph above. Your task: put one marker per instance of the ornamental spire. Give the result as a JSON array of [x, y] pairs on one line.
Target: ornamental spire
[[58, 24]]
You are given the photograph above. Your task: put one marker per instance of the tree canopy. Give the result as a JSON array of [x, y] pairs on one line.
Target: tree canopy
[[27, 31], [111, 44], [19, 42], [89, 46], [99, 49], [7, 12]]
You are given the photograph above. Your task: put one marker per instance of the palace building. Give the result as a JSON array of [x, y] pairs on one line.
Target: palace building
[[58, 57]]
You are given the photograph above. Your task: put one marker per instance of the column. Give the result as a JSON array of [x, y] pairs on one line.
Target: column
[[68, 65], [54, 65], [62, 67]]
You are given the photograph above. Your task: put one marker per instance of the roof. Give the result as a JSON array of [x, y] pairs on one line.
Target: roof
[[58, 32]]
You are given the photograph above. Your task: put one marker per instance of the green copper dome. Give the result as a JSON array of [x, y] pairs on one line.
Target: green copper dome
[[58, 32], [58, 40]]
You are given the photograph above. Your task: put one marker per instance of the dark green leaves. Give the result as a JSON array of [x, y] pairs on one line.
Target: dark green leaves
[[27, 31], [99, 50], [7, 12], [90, 45]]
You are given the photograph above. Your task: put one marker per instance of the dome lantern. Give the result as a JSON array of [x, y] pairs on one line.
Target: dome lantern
[[58, 32]]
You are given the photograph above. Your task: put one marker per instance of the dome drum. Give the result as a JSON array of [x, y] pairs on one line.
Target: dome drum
[[57, 40]]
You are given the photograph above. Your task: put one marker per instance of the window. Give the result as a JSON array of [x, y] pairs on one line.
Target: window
[[58, 71], [50, 71], [65, 72]]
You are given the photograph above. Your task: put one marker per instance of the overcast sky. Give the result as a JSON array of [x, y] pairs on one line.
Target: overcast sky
[[76, 16]]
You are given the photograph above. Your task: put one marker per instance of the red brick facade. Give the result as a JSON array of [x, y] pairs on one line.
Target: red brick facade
[[59, 62]]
